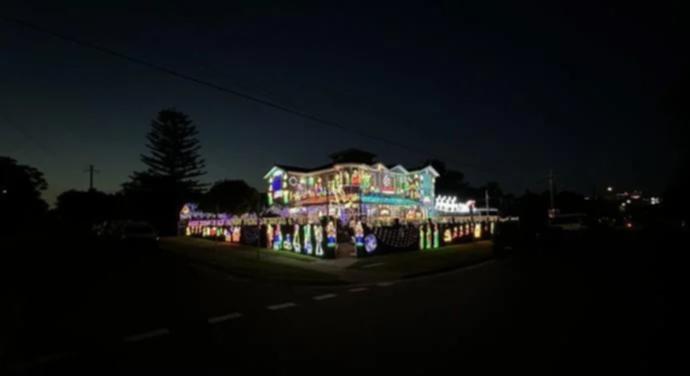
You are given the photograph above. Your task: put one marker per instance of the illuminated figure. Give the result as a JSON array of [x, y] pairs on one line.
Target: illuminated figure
[[436, 240], [421, 237], [187, 231], [491, 229], [331, 239], [466, 231], [219, 232], [318, 240], [236, 234], [296, 242], [355, 178], [359, 234], [477, 231], [287, 244], [429, 235], [269, 236], [346, 178], [447, 236], [277, 239], [456, 232], [227, 235], [307, 239]]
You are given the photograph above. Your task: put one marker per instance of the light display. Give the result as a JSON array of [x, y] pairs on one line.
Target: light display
[[429, 235], [331, 237], [269, 236], [450, 204], [421, 237], [359, 234], [370, 243], [477, 231], [447, 235], [187, 231], [296, 242], [492, 228], [318, 240], [277, 239], [236, 234], [436, 235], [287, 244], [307, 239]]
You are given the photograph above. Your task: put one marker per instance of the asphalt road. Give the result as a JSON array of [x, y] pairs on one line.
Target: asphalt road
[[566, 311]]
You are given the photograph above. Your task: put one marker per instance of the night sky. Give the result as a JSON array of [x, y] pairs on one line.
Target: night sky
[[501, 92]]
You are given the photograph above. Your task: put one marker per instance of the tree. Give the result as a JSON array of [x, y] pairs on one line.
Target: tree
[[231, 196], [20, 193], [174, 150], [173, 168], [450, 182], [83, 209]]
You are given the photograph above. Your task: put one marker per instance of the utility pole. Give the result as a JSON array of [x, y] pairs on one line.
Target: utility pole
[[551, 199], [91, 170], [486, 202]]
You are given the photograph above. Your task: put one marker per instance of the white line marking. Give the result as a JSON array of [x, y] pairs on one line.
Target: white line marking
[[147, 335], [385, 284], [324, 296], [276, 307], [358, 289], [373, 265], [229, 316], [53, 357]]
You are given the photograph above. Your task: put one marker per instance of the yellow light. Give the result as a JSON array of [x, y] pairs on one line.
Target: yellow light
[[477, 231]]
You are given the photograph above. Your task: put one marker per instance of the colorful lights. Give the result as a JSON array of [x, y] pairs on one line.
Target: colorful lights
[[359, 234], [287, 244], [450, 204], [296, 243], [477, 231], [331, 237], [447, 235], [269, 236], [307, 239], [318, 240], [370, 243], [277, 239]]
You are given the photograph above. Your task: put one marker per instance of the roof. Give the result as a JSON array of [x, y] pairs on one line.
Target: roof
[[394, 168]]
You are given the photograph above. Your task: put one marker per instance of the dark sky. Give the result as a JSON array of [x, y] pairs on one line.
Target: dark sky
[[501, 92]]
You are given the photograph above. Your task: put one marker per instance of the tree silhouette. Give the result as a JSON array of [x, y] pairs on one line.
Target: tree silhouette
[[231, 196], [20, 193], [174, 150], [174, 165]]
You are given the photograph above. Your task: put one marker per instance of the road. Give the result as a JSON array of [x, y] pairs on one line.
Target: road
[[541, 312]]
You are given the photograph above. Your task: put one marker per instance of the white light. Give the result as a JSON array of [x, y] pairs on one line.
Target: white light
[[610, 189]]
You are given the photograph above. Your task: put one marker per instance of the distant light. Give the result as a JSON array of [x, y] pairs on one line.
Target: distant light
[[628, 201], [609, 189], [4, 191], [629, 225], [655, 200]]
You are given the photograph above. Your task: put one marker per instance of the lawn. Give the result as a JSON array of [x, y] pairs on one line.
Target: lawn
[[408, 264], [250, 262]]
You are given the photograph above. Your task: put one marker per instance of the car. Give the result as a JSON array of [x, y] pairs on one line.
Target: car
[[137, 231]]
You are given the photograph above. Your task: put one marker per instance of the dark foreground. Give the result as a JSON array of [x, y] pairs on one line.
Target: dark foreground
[[600, 304]]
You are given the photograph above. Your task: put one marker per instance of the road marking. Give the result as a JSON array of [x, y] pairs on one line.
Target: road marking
[[276, 307], [385, 284], [229, 316], [54, 357], [358, 289], [147, 335], [324, 296], [373, 265]]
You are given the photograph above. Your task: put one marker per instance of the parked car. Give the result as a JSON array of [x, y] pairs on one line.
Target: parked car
[[138, 231]]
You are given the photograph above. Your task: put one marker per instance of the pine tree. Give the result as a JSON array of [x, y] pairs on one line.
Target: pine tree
[[173, 153], [173, 168]]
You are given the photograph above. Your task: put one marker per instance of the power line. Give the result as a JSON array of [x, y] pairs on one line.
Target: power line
[[183, 76]]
